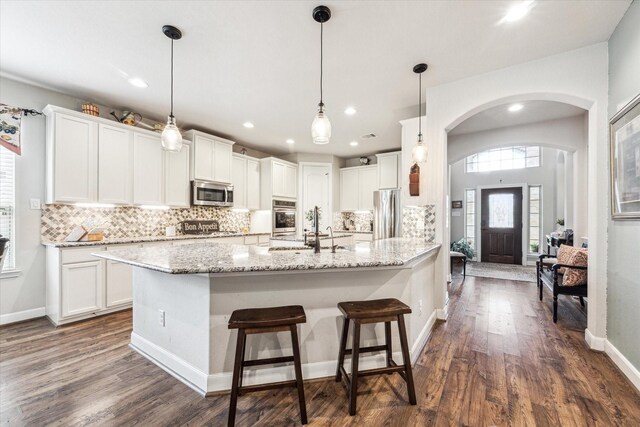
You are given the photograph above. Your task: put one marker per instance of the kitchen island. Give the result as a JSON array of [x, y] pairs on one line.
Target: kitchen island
[[183, 297]]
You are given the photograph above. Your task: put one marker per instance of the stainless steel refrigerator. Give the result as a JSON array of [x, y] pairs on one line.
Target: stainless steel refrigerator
[[387, 214]]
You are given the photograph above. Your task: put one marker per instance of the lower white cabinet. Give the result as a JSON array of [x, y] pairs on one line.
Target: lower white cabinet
[[82, 288]]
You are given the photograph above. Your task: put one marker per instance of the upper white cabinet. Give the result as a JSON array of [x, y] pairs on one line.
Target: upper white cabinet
[[147, 169], [389, 170], [246, 182], [357, 185], [211, 157], [115, 159], [72, 157], [177, 190], [278, 179]]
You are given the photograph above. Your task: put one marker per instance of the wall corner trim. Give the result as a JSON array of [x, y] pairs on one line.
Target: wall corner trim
[[19, 316], [618, 359], [594, 342]]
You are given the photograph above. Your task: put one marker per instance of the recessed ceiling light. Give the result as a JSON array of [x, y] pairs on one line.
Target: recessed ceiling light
[[137, 82], [518, 11], [248, 125], [515, 107], [353, 143], [290, 141], [350, 111]]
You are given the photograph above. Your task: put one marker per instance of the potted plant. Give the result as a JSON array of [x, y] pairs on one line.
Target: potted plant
[[463, 246], [308, 215], [534, 247]]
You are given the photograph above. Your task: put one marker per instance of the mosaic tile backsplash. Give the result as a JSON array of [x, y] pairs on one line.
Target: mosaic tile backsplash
[[348, 220], [57, 221]]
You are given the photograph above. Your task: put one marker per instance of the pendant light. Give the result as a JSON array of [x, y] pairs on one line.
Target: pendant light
[[321, 127], [419, 152], [171, 137]]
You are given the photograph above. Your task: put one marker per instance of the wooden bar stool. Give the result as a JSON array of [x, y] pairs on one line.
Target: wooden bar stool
[[259, 321], [374, 311]]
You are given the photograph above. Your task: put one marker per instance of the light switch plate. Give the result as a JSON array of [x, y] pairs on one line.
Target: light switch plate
[[34, 203]]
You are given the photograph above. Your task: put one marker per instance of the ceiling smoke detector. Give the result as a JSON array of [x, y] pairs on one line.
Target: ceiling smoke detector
[[368, 136]]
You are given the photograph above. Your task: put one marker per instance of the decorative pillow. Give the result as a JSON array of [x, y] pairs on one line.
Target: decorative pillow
[[564, 256], [574, 276]]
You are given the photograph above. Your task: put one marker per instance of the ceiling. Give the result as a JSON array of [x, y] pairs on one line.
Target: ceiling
[[531, 112], [258, 61]]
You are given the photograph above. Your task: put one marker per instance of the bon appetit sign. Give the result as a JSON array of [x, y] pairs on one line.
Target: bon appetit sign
[[200, 227]]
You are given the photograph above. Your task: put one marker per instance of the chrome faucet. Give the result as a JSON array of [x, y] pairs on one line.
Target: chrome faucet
[[333, 247], [316, 220]]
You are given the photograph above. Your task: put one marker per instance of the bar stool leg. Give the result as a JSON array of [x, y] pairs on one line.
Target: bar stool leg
[[406, 360], [355, 353], [387, 341], [235, 382], [343, 346], [298, 369], [244, 348]]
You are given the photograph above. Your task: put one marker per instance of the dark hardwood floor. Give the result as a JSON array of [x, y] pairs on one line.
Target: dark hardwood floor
[[498, 360]]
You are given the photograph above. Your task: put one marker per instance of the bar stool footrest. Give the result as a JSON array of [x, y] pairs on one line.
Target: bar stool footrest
[[269, 361], [370, 349]]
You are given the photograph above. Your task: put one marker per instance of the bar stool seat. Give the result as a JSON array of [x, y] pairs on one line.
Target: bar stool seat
[[374, 311], [263, 320]]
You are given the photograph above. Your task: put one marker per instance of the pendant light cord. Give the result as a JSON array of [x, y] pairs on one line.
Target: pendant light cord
[[321, 58], [171, 114], [420, 106]]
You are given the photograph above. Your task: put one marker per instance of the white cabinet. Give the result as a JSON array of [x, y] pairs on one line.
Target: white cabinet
[[115, 165], [119, 279], [278, 179], [246, 182], [176, 178], [82, 286], [147, 169], [72, 158], [211, 158], [357, 185], [363, 237], [389, 170]]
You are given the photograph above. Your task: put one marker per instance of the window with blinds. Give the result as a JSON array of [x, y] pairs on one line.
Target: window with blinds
[[7, 204]]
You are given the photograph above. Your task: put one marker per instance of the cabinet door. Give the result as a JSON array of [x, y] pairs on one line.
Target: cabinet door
[[222, 156], [75, 160], [82, 288], [119, 283], [239, 178], [203, 158], [147, 169], [253, 184], [291, 181], [176, 178], [388, 171], [367, 184], [114, 165], [349, 196], [278, 179]]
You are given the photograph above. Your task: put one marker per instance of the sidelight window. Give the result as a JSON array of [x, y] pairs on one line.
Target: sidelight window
[[535, 217], [470, 217]]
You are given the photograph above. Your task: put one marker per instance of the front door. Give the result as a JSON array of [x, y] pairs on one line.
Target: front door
[[501, 225]]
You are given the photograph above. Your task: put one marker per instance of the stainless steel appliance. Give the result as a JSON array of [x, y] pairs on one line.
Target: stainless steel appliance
[[387, 214], [205, 193], [285, 219]]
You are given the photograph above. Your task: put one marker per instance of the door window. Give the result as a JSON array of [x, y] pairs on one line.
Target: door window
[[501, 210]]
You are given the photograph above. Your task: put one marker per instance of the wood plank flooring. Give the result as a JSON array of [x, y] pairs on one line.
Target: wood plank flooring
[[498, 360]]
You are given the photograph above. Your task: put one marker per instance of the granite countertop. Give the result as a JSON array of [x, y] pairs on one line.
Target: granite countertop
[[148, 239], [294, 238], [208, 257]]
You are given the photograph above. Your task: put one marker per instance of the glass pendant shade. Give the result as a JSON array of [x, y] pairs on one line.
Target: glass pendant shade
[[419, 152], [171, 136], [321, 128]]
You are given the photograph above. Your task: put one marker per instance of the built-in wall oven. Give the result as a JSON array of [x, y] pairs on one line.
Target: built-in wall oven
[[285, 219], [205, 193]]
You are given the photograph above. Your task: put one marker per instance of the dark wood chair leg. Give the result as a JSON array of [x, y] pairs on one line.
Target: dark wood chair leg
[[555, 308], [355, 353], [541, 285], [581, 301], [298, 369], [235, 379], [343, 347], [387, 341], [244, 348], [406, 360]]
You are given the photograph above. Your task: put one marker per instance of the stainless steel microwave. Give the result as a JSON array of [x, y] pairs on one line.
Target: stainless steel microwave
[[205, 193]]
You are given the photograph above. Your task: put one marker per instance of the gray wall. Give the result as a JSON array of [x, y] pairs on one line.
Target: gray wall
[[544, 175], [623, 275]]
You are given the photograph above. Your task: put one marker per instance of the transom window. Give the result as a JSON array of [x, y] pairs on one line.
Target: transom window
[[517, 157]]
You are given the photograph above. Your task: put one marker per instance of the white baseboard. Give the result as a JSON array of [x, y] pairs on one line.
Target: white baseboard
[[594, 342], [630, 371], [442, 313], [19, 316], [203, 383]]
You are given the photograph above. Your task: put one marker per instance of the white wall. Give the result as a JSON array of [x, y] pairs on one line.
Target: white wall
[[577, 77], [623, 313]]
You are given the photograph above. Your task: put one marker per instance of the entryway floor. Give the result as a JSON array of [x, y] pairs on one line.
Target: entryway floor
[[498, 360], [501, 271]]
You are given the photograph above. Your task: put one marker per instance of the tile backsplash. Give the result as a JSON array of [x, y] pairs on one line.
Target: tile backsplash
[[58, 220], [348, 220]]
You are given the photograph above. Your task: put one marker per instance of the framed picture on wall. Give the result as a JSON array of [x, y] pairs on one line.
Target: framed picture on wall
[[625, 161]]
